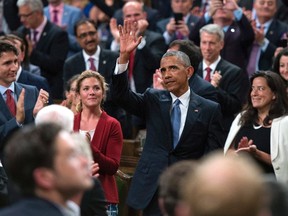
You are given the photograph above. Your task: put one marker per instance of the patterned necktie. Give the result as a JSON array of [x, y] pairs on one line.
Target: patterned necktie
[[92, 65], [176, 121], [208, 75], [10, 102]]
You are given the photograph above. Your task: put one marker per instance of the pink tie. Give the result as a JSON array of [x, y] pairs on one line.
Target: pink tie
[[92, 65], [208, 75], [10, 102], [251, 67]]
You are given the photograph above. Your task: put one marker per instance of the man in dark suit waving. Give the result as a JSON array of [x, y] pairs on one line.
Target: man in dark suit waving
[[199, 128]]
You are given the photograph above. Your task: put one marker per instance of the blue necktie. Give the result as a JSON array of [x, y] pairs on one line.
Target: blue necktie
[[176, 121]]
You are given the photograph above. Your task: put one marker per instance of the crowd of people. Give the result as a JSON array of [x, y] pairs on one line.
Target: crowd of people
[[198, 76]]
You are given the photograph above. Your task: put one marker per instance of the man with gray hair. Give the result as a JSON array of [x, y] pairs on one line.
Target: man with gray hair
[[47, 43], [180, 124], [229, 80]]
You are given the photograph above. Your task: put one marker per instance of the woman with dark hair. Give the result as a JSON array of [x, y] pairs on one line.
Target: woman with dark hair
[[103, 132], [261, 128], [280, 64]]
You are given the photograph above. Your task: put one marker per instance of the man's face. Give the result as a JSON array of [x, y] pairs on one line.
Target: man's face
[[181, 6], [210, 46], [175, 75], [71, 169], [30, 19], [8, 68], [87, 37], [265, 8], [133, 12]]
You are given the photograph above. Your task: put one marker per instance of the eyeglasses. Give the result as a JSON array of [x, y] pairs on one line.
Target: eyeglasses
[[25, 15], [84, 35]]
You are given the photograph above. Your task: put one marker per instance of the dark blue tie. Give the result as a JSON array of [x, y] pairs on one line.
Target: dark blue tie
[[176, 121]]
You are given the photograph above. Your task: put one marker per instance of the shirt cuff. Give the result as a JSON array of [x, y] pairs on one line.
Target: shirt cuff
[[120, 68], [142, 44], [115, 46]]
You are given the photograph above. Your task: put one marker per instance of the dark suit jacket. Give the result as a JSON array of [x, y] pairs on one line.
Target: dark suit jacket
[[93, 201], [203, 88], [34, 80], [274, 34], [49, 54], [11, 14], [232, 90], [152, 17], [147, 60], [202, 133], [7, 121], [161, 25], [32, 207], [238, 38]]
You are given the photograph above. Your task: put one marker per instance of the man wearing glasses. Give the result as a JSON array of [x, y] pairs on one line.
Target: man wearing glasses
[[47, 43]]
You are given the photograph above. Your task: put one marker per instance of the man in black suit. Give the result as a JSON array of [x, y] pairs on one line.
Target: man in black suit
[[199, 131], [45, 163], [47, 43], [230, 81], [239, 34], [268, 34]]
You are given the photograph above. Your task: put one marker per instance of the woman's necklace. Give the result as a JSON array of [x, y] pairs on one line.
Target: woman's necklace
[[256, 127]]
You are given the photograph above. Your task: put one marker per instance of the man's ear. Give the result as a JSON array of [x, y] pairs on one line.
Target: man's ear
[[44, 178], [190, 72]]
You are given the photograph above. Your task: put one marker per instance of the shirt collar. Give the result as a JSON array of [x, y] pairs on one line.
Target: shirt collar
[[3, 88], [213, 65], [184, 98], [96, 55]]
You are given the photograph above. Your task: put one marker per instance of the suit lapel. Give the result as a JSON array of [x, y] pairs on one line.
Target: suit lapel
[[192, 115], [42, 39], [4, 108]]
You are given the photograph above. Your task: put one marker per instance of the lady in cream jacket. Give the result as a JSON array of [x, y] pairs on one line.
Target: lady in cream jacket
[[261, 130]]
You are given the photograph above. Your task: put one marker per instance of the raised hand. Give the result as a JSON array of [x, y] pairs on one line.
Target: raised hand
[[157, 80], [20, 110], [128, 40]]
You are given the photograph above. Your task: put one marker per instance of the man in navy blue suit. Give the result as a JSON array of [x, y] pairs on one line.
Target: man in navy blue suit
[[200, 130], [45, 163], [27, 99]]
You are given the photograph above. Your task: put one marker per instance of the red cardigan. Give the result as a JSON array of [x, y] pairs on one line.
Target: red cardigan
[[106, 147]]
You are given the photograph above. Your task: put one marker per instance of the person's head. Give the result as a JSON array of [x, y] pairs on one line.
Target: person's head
[[170, 197], [8, 63], [176, 69], [265, 9], [133, 10], [190, 49], [224, 186], [83, 146], [223, 15], [56, 114], [43, 160], [211, 42], [181, 6], [30, 13], [91, 88], [70, 91], [86, 33], [267, 95], [17, 42], [280, 64]]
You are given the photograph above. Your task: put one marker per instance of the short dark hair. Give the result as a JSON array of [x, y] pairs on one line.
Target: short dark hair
[[190, 49], [30, 148], [84, 21], [7, 47]]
